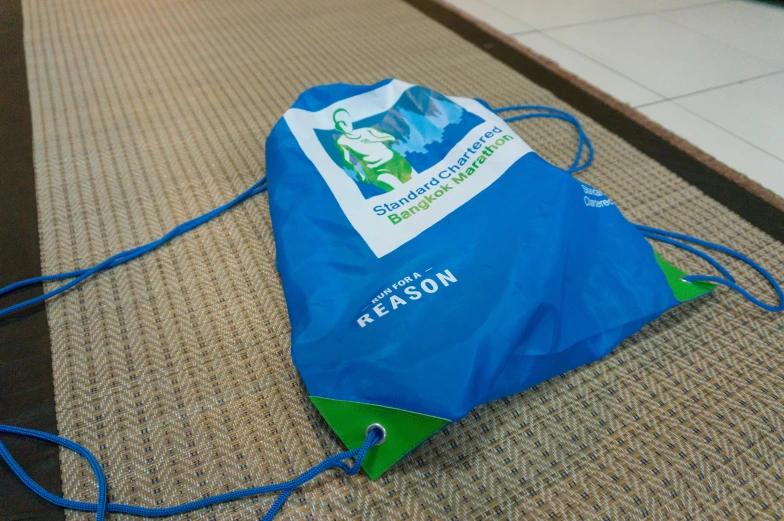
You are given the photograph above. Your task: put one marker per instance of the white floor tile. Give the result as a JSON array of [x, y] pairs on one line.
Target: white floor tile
[[751, 26], [752, 110], [590, 70], [490, 15], [663, 56], [724, 146], [543, 14], [717, 46]]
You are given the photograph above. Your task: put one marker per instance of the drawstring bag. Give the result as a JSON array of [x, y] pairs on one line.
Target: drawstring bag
[[431, 262]]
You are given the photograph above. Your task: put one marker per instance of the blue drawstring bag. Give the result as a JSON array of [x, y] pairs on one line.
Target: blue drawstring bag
[[431, 262]]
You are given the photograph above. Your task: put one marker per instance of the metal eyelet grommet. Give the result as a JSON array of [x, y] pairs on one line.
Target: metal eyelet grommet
[[381, 428]]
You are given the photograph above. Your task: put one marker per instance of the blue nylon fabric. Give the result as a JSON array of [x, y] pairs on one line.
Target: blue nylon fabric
[[545, 284]]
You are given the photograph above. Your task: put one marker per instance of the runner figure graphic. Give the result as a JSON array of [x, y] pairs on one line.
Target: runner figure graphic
[[373, 159]]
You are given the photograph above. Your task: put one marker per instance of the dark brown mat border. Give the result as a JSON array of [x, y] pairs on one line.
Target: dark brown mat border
[[734, 190], [25, 352]]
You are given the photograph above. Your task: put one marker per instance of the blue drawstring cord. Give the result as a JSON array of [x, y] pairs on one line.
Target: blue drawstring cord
[[102, 506], [80, 276], [662, 238], [550, 112], [728, 281]]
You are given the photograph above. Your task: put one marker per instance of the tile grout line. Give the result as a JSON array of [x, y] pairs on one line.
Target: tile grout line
[[595, 61], [501, 11], [544, 32], [715, 39], [728, 131], [716, 87], [612, 18], [780, 159]]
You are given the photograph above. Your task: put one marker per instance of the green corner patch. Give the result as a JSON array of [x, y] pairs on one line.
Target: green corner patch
[[682, 289], [405, 430]]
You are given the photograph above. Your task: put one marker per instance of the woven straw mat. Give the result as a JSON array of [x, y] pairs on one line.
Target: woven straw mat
[[175, 368]]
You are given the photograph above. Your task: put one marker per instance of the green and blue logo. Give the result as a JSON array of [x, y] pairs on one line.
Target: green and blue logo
[[383, 152]]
